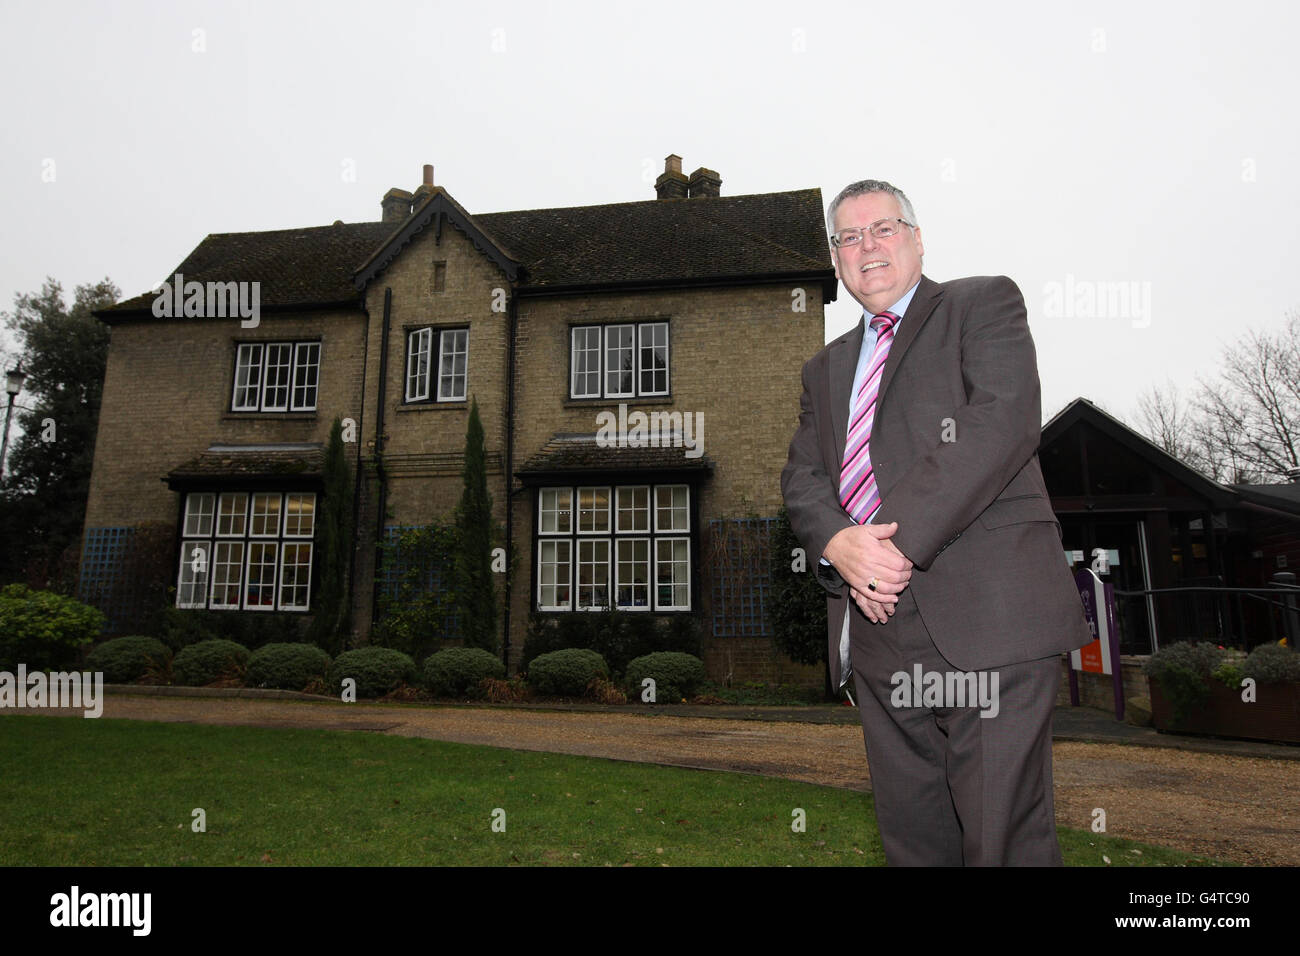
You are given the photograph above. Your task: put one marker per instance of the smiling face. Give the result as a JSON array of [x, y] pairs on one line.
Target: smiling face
[[877, 272]]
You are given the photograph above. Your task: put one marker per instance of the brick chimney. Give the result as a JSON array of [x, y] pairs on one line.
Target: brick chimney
[[396, 205], [672, 182], [424, 188], [704, 182]]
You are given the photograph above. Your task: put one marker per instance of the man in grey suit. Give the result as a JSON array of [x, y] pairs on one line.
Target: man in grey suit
[[913, 477]]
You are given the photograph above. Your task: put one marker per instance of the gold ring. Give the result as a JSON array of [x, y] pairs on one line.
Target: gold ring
[[871, 585]]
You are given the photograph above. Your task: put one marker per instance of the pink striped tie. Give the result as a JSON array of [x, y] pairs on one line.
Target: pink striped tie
[[858, 492]]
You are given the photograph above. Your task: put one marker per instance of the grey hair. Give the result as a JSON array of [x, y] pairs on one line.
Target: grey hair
[[861, 188]]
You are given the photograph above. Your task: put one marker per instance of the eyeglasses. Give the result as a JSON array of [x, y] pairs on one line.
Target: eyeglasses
[[880, 229]]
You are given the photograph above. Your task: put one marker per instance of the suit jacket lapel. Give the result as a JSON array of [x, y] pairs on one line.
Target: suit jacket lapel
[[844, 363], [922, 306]]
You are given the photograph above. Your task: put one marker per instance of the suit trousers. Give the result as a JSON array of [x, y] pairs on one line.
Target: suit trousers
[[953, 788]]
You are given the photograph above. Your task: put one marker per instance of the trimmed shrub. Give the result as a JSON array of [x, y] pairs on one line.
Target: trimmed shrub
[[566, 673], [459, 670], [1183, 671], [125, 660], [377, 670], [287, 666], [181, 627], [676, 675], [209, 661], [1272, 664], [617, 636], [42, 629]]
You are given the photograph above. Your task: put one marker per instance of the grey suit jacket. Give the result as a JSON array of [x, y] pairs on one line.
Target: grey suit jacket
[[954, 446]]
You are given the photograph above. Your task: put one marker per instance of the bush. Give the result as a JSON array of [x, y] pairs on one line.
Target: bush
[[377, 670], [125, 660], [42, 629], [287, 666], [1183, 671], [566, 673], [676, 675], [209, 661], [1272, 664], [178, 628], [459, 670], [617, 636]]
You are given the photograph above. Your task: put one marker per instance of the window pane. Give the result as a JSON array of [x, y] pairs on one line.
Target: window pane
[[586, 362], [633, 509], [672, 511], [306, 375], [593, 510], [266, 516], [248, 378], [633, 572], [261, 576], [227, 571], [619, 356], [295, 576], [555, 507], [275, 392], [198, 514], [232, 512], [417, 365], [593, 573], [672, 573], [654, 358], [554, 575], [455, 357], [299, 515], [192, 584]]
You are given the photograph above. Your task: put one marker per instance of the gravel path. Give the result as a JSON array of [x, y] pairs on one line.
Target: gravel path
[[1234, 808]]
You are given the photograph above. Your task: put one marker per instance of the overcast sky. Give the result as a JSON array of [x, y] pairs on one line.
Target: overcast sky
[[1132, 167]]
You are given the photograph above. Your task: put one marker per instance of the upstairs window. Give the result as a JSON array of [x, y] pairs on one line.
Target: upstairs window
[[628, 360], [437, 363], [276, 377]]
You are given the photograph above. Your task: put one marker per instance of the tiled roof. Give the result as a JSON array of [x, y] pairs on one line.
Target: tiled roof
[[307, 461], [656, 241], [581, 454]]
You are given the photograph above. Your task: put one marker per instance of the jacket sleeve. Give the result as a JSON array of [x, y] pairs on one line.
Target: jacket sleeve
[[810, 492], [996, 431]]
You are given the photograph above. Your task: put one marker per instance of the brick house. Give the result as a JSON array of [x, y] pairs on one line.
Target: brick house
[[693, 309]]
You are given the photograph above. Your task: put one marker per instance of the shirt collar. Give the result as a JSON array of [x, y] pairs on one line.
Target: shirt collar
[[899, 307]]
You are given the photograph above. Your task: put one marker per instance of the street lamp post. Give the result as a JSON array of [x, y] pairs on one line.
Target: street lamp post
[[14, 380]]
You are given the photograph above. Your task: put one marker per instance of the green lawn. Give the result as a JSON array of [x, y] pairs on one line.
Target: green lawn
[[102, 792]]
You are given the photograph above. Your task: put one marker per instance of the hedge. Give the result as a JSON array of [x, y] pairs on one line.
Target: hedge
[[676, 675], [566, 673], [208, 661], [125, 660], [456, 671], [377, 670], [287, 666]]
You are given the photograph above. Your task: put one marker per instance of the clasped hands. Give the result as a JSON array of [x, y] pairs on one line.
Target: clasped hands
[[863, 552]]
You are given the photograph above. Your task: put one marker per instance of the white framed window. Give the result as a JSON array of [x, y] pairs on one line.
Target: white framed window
[[629, 547], [593, 511], [555, 511], [306, 376], [443, 350], [554, 573], [622, 360], [672, 574], [192, 580], [672, 508], [198, 514], [295, 575], [632, 574], [247, 551], [585, 362], [652, 362], [276, 377], [248, 377], [633, 509], [455, 360], [593, 574]]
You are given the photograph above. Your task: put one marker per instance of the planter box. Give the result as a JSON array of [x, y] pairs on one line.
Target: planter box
[[1274, 716]]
